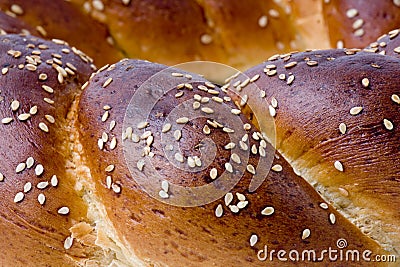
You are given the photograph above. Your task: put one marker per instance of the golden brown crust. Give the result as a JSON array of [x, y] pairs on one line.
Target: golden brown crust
[[355, 24], [163, 234], [63, 20], [34, 234], [236, 33], [338, 109]]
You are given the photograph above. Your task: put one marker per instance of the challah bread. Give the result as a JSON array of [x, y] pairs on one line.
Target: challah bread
[[40, 203], [232, 32], [337, 115], [128, 131], [356, 23], [63, 20]]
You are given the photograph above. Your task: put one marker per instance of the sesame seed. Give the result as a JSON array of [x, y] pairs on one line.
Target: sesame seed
[[306, 233], [165, 185], [228, 198], [1, 177], [213, 173], [4, 70], [323, 206], [107, 82], [112, 125], [342, 128], [388, 124], [68, 242], [338, 166], [24, 116], [277, 168], [179, 157], [228, 130], [235, 158], [179, 94], [228, 167], [355, 110], [20, 167], [135, 138], [254, 149], [39, 169], [142, 125], [100, 143], [63, 210], [234, 208], [273, 13], [397, 49], [272, 111], [14, 105], [242, 204], [290, 79], [351, 13], [206, 129], [43, 127], [343, 192], [48, 89], [16, 9], [207, 110], [140, 165], [182, 120], [230, 145], [27, 187], [110, 168], [177, 135], [6, 120], [209, 84], [30, 67], [196, 105], [163, 194], [290, 64], [19, 197], [312, 63], [250, 168], [267, 211], [205, 100], [359, 32], [206, 39], [235, 111], [365, 82], [243, 100], [332, 218], [263, 21], [253, 240], [48, 100], [271, 72], [105, 116], [357, 24], [54, 180], [41, 198], [219, 211], [113, 143], [245, 83], [191, 162], [29, 162], [109, 181], [396, 99], [50, 118], [176, 74], [42, 185], [261, 151], [243, 145], [33, 110]]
